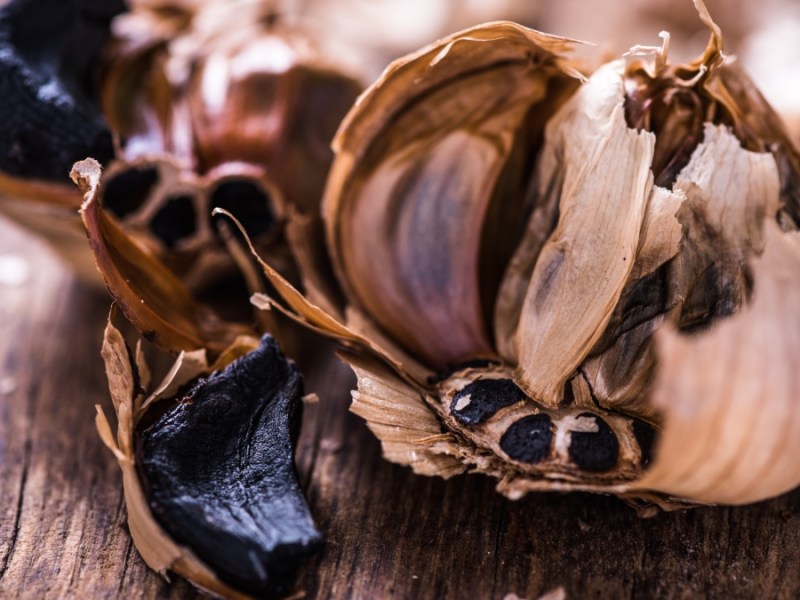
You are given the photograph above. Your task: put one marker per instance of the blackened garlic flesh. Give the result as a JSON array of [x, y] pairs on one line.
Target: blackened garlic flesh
[[219, 472]]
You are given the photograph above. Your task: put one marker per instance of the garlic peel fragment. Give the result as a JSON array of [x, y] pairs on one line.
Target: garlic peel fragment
[[581, 270], [149, 294], [732, 429]]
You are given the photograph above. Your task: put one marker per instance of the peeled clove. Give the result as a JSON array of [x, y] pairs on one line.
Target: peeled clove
[[210, 482], [48, 55], [218, 470]]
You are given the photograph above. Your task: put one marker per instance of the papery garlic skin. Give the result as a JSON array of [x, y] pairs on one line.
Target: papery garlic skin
[[605, 182], [732, 425]]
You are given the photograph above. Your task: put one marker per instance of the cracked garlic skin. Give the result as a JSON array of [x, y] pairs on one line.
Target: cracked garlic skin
[[219, 104], [660, 206]]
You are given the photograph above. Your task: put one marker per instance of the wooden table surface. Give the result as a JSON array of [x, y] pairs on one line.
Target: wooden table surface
[[390, 533]]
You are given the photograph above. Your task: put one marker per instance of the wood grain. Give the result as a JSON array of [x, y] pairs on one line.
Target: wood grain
[[390, 534]]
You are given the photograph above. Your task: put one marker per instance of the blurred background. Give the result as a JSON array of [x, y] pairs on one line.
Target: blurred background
[[764, 35]]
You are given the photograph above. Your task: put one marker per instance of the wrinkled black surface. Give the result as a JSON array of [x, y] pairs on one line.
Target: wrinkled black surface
[[219, 472], [594, 450], [487, 396], [48, 56], [528, 440]]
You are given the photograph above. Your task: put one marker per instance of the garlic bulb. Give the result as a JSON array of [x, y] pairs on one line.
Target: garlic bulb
[[593, 348], [219, 104]]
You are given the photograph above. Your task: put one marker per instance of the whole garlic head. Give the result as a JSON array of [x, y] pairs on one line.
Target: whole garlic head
[[569, 284]]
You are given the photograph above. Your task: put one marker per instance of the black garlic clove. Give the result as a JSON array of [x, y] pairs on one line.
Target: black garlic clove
[[481, 399], [49, 50], [594, 450], [529, 439], [218, 471]]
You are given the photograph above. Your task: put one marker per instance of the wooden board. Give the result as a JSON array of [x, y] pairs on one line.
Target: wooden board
[[390, 533]]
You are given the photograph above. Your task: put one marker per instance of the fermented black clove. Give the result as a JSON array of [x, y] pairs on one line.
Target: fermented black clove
[[218, 471], [48, 51]]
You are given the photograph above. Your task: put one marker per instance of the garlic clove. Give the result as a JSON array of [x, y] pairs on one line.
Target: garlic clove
[[234, 499], [184, 516], [48, 56], [432, 174]]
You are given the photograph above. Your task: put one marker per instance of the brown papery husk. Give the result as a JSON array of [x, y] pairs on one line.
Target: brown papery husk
[[431, 164], [729, 395], [725, 182], [676, 102], [149, 294], [720, 201], [757, 124]]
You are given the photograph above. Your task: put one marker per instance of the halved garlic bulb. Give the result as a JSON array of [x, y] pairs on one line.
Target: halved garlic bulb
[[591, 349]]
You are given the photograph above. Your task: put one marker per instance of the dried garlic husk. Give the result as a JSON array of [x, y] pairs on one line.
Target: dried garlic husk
[[660, 206], [219, 104], [208, 467], [150, 295]]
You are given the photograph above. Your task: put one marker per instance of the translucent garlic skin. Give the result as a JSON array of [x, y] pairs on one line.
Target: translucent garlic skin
[[639, 245]]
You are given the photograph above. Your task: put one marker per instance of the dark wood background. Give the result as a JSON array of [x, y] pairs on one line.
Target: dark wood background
[[390, 533]]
